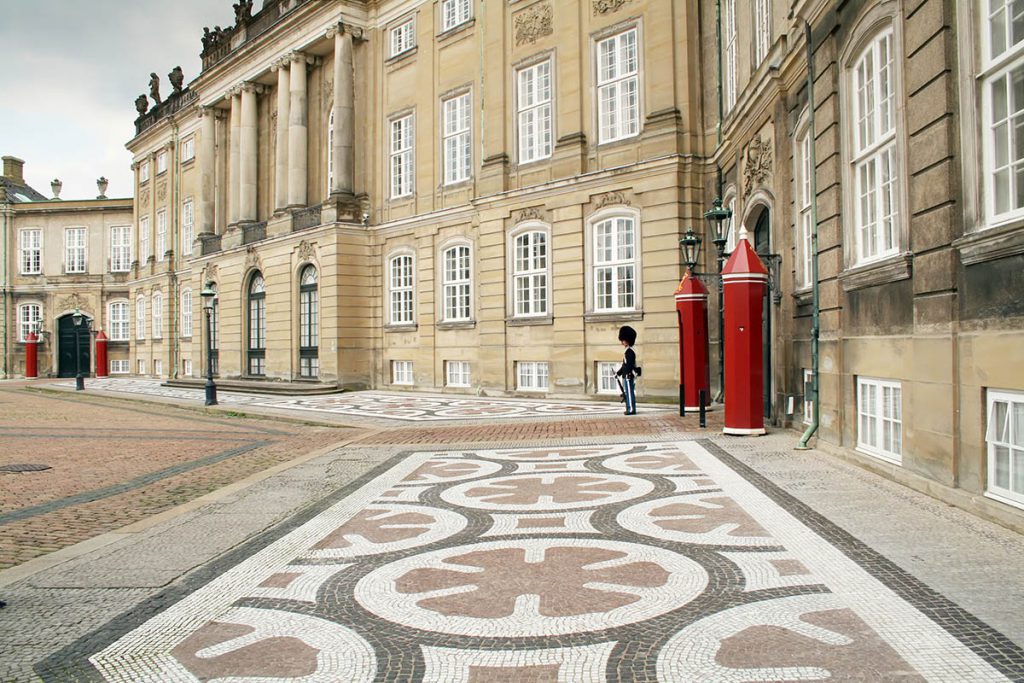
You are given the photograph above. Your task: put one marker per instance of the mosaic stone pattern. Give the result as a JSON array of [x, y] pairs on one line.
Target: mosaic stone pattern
[[639, 562]]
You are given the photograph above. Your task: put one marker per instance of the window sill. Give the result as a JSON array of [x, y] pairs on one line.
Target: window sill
[[457, 184], [456, 30], [613, 316], [1006, 500], [409, 327], [991, 244], [890, 269], [186, 163], [401, 59], [526, 322], [460, 325], [882, 457], [804, 295]]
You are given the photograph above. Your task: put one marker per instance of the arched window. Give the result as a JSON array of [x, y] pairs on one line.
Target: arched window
[[186, 313], [158, 315], [29, 317], [330, 153], [400, 288], [530, 273], [615, 264], [458, 283], [140, 317], [257, 325], [117, 320], [309, 323]]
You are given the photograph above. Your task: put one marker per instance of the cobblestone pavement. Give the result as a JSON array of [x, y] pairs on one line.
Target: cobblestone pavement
[[588, 549]]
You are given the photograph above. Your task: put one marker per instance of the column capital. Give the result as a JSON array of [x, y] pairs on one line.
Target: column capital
[[249, 86], [343, 29]]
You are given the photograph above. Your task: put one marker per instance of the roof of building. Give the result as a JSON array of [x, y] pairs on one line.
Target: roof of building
[[19, 192]]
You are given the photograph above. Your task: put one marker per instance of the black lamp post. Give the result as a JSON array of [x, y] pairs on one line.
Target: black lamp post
[[716, 217], [209, 294], [690, 244], [78, 319]]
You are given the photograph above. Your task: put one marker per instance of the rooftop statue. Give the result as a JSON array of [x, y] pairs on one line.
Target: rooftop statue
[[154, 87], [177, 78], [243, 11], [141, 104]]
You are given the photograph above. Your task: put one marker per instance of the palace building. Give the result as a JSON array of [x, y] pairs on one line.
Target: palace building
[[473, 197]]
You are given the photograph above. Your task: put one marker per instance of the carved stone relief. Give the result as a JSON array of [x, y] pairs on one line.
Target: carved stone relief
[[611, 198], [757, 169], [252, 259], [210, 273], [161, 191], [607, 6], [73, 301], [144, 198], [307, 252], [533, 23], [530, 214]]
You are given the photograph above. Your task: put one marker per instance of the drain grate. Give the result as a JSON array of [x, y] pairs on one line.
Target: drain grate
[[24, 467]]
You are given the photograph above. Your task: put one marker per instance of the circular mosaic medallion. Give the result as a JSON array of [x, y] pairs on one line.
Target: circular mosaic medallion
[[384, 528], [547, 491]]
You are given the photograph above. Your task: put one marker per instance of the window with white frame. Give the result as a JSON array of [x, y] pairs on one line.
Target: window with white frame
[[880, 419], [453, 13], [161, 162], [457, 282], [330, 153], [730, 225], [144, 253], [309, 322], [140, 317], [141, 366], [876, 174], [120, 249], [805, 221], [762, 30], [188, 148], [186, 312], [531, 376], [530, 273], [403, 38], [729, 87], [808, 395], [144, 172], [615, 264], [158, 367], [74, 250], [158, 315], [456, 138], [1005, 439], [29, 318], [618, 86], [1002, 110], [534, 112], [117, 321], [257, 351], [161, 235], [456, 373], [401, 372], [119, 367], [401, 157], [188, 222], [400, 290], [606, 378], [186, 367], [30, 242]]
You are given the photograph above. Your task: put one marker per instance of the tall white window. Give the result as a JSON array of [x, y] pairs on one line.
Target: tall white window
[[188, 221], [120, 249], [458, 283], [403, 38], [456, 142], [186, 367], [158, 315], [728, 54], [257, 326], [119, 367], [30, 243], [762, 30], [161, 235], [188, 149], [805, 246], [456, 373], [330, 153], [117, 321], [1002, 83], [875, 167], [453, 13], [531, 376], [534, 112], [401, 372], [29, 317], [74, 250], [186, 312], [309, 322], [141, 366], [880, 419], [400, 288], [606, 378], [158, 367], [161, 162], [401, 157], [530, 273], [144, 252], [140, 317], [144, 172], [615, 264], [1005, 439], [730, 225], [618, 86]]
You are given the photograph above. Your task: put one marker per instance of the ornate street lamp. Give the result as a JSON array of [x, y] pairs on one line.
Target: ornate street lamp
[[209, 294], [690, 244], [80, 321], [716, 217]]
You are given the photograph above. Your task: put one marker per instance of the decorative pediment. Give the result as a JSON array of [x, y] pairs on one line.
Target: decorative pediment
[[533, 24], [307, 251], [531, 214], [757, 169], [611, 199], [608, 6], [253, 260], [73, 301]]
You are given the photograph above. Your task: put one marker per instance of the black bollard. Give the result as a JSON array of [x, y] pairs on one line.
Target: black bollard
[[703, 416]]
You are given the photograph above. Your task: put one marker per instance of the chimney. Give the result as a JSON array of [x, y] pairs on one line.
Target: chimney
[[14, 169]]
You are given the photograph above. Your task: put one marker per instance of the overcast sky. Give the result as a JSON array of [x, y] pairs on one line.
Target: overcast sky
[[73, 69]]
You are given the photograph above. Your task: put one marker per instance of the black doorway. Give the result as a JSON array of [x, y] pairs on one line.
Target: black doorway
[[762, 245], [68, 342]]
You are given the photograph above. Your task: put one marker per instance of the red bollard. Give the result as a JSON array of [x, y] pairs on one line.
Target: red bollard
[[101, 355], [31, 356], [744, 279], [692, 310]]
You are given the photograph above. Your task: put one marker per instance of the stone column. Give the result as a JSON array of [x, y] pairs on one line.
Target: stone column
[[233, 157], [281, 150], [207, 163], [247, 155], [298, 158], [344, 115]]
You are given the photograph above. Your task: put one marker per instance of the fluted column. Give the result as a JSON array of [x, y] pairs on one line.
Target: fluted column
[[247, 155], [344, 115], [298, 157], [281, 150], [207, 166], [233, 157]]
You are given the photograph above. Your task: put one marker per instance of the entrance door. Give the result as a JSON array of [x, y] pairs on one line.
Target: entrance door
[[71, 339], [762, 245]]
